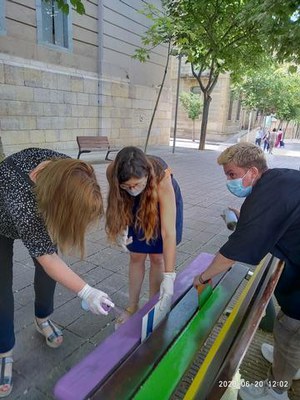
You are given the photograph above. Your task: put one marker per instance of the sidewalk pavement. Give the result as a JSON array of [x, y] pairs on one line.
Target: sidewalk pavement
[[38, 367]]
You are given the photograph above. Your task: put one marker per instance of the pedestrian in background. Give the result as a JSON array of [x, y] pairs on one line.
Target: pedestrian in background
[[259, 135], [272, 139], [266, 139]]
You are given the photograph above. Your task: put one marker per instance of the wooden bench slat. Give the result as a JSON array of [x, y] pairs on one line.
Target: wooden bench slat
[[245, 334], [210, 368], [127, 379], [84, 377], [191, 339]]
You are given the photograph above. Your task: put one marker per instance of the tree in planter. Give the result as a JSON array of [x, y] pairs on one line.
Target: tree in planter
[[192, 104], [64, 6]]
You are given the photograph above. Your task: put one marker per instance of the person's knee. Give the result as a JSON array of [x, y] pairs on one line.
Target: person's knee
[[137, 258], [156, 260]]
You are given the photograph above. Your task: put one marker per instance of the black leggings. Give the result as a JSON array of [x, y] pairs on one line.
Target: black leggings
[[44, 288]]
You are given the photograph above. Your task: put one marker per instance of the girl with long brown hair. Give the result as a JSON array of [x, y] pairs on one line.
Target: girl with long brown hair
[[47, 200], [145, 213]]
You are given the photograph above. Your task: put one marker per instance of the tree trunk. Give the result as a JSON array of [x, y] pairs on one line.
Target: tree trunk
[[206, 87], [158, 97], [193, 132], [2, 155], [206, 104]]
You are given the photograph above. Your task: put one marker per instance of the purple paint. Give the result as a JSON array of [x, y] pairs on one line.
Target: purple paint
[[96, 366]]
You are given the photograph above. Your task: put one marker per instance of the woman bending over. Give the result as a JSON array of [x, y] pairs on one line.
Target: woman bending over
[[145, 210]]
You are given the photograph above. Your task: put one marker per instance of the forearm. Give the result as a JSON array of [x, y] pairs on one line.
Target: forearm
[[169, 254], [218, 265], [58, 270]]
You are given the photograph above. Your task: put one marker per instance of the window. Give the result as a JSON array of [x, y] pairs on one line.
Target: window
[[2, 18], [196, 90], [54, 27]]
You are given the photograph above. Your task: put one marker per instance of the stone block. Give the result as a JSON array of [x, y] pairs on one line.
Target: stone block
[[64, 82], [90, 86], [77, 84], [21, 123], [41, 95], [93, 99], [33, 77], [50, 80], [2, 79], [13, 75], [83, 123], [82, 98], [120, 90], [43, 136], [11, 138], [69, 98]]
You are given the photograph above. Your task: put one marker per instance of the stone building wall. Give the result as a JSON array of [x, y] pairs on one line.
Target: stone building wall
[[50, 95]]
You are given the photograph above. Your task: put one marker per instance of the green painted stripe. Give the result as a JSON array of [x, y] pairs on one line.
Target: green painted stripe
[[169, 371]]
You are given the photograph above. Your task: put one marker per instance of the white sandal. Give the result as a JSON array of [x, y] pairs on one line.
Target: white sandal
[[41, 327], [6, 362]]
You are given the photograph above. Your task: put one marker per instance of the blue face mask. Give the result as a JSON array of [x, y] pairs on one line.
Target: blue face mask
[[236, 187]]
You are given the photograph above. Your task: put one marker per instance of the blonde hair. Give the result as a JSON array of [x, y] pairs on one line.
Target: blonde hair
[[244, 155], [129, 163], [69, 200]]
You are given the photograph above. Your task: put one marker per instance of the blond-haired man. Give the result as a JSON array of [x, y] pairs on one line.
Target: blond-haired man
[[270, 212]]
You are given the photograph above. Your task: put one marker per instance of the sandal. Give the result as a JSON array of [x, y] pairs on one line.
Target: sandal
[[126, 314], [50, 332], [6, 374]]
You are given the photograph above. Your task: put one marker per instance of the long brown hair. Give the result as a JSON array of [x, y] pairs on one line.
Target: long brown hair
[[129, 163], [69, 200]]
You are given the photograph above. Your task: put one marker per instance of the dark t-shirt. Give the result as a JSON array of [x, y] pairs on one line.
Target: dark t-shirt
[[19, 218], [270, 223]]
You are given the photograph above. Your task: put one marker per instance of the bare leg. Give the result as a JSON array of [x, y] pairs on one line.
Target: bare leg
[[136, 277], [156, 273]]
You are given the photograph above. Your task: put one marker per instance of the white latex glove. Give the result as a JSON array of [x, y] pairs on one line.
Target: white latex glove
[[166, 291], [95, 299], [123, 240]]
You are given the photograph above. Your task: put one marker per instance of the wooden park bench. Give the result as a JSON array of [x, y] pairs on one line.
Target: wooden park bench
[[122, 367], [86, 144]]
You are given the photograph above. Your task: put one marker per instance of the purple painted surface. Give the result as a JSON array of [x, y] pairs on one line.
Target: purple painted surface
[[91, 370]]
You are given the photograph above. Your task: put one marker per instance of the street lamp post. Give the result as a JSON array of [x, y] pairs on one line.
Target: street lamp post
[[176, 104]]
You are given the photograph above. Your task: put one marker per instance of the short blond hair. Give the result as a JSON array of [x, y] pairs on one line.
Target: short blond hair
[[69, 200], [244, 155]]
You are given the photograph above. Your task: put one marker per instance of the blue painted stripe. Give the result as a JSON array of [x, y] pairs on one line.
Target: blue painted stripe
[[150, 322]]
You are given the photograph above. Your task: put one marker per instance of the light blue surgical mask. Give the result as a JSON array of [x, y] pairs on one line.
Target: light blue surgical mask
[[134, 192], [236, 187]]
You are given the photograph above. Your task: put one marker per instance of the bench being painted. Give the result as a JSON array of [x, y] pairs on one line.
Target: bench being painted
[[84, 377]]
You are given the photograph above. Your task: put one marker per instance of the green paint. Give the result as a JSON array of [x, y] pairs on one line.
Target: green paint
[[204, 295], [164, 379]]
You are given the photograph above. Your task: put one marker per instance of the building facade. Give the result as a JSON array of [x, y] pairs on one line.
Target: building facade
[[62, 75]]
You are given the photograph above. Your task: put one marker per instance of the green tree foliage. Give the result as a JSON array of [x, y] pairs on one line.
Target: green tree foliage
[[192, 104], [279, 23], [273, 90], [214, 36], [64, 6], [225, 36]]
